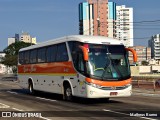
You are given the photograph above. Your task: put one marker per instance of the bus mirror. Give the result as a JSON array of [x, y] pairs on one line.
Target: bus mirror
[[134, 54], [85, 52]]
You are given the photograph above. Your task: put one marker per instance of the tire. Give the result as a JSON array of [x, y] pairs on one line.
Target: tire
[[68, 93], [31, 89]]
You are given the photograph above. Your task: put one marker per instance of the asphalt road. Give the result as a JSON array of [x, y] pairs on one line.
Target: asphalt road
[[16, 103]]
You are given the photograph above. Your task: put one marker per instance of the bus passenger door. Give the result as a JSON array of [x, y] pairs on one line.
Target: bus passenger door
[[80, 66]]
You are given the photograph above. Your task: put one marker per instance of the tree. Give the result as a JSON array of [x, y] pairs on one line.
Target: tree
[[11, 57]]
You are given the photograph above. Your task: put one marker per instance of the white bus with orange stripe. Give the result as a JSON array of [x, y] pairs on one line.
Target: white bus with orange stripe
[[83, 66]]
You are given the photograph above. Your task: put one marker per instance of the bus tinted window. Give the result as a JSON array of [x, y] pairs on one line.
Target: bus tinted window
[[33, 56], [41, 55], [62, 52], [26, 57], [21, 58], [51, 53]]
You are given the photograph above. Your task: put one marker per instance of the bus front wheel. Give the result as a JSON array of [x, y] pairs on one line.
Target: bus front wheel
[[67, 93], [31, 90]]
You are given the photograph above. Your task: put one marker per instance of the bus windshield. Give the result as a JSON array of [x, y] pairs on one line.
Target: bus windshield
[[108, 62]]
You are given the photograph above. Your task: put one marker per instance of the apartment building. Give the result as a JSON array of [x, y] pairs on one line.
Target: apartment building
[[25, 37], [124, 25], [112, 19], [154, 43], [93, 17], [100, 17]]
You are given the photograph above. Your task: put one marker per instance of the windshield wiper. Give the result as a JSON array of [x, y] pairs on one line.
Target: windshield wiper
[[97, 77]]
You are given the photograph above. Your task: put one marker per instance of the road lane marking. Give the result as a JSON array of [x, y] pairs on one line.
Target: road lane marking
[[4, 106], [17, 109], [45, 118], [115, 112], [46, 99], [128, 114], [12, 92]]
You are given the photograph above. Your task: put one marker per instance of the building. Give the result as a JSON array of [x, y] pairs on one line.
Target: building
[[93, 17], [124, 25], [11, 40], [16, 37], [25, 37], [112, 19], [100, 17], [143, 54], [154, 43]]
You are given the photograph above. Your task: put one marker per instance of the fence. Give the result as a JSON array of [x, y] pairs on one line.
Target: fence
[[146, 82]]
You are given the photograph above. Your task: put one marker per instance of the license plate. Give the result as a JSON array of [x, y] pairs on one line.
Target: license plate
[[113, 93]]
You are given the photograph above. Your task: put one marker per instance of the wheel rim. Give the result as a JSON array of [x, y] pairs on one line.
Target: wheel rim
[[68, 92], [30, 88]]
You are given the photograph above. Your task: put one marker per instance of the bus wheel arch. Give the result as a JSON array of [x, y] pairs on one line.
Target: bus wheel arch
[[31, 86], [67, 91]]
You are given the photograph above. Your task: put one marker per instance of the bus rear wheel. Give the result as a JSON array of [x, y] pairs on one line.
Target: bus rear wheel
[[67, 93]]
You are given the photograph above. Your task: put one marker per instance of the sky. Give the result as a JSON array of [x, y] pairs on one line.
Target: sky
[[49, 19]]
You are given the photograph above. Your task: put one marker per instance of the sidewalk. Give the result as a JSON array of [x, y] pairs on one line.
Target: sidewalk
[[146, 92]]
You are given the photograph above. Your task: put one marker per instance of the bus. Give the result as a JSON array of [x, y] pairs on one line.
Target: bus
[[77, 65]]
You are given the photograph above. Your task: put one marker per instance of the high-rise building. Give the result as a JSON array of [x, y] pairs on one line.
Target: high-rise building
[[25, 37], [16, 37], [93, 17], [154, 43], [112, 19], [100, 17], [124, 25]]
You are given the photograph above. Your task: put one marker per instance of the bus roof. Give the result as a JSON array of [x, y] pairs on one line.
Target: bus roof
[[80, 38]]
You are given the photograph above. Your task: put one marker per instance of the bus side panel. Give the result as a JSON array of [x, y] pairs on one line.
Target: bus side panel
[[47, 77]]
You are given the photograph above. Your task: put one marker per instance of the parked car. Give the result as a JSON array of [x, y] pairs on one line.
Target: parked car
[[157, 83]]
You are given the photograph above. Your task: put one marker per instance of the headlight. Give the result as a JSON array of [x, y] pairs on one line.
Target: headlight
[[93, 85], [128, 85]]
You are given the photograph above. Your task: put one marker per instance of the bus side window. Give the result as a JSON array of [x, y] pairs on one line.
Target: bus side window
[[41, 55], [62, 54], [51, 53], [21, 57], [80, 62], [77, 55], [33, 56], [26, 57]]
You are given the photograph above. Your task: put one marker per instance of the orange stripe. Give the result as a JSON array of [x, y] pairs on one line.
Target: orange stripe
[[56, 67], [108, 83]]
